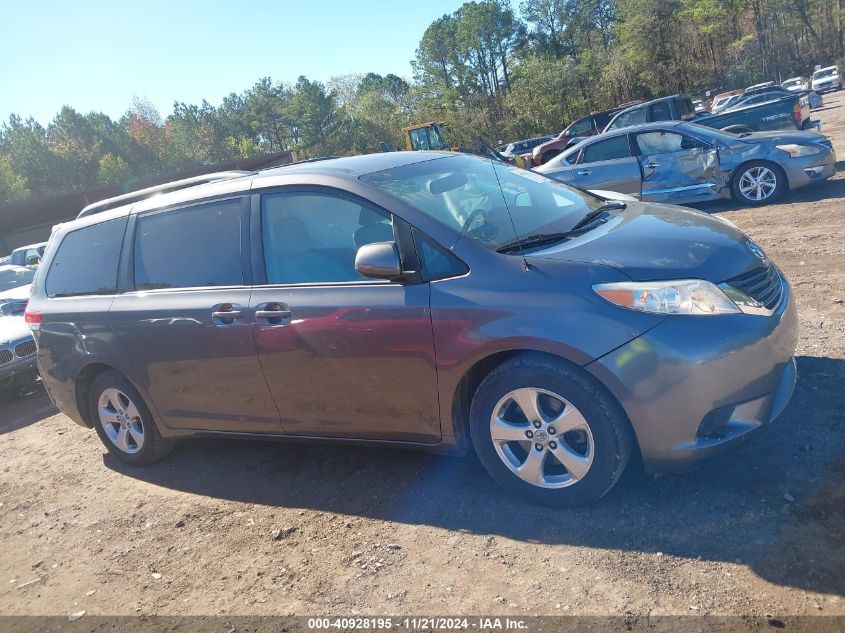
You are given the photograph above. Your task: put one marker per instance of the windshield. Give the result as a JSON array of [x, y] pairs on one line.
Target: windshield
[[464, 193], [827, 72], [15, 277], [792, 82]]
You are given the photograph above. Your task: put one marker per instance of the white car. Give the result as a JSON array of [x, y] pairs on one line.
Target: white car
[[795, 84], [827, 79]]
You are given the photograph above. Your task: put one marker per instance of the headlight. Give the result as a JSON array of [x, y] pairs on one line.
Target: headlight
[[688, 296], [795, 150]]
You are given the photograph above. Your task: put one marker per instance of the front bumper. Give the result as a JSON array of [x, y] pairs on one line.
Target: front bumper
[[805, 170], [697, 386]]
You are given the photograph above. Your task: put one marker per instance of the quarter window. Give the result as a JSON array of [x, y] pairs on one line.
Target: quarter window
[[86, 261], [610, 149], [314, 237], [186, 248]]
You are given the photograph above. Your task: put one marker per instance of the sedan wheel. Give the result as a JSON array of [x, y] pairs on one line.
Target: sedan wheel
[[758, 183], [542, 438]]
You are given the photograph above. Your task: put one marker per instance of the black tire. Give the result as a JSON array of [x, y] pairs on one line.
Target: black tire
[[611, 432], [153, 447], [781, 184]]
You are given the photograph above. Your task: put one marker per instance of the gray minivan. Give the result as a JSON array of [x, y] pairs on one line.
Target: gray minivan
[[417, 299]]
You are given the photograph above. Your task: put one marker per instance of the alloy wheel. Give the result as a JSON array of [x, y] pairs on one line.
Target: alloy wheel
[[758, 183], [542, 438], [121, 420]]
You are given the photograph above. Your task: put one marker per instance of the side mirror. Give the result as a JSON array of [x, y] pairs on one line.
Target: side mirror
[[379, 260]]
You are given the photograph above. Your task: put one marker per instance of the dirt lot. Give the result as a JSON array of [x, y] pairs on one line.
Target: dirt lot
[[379, 531]]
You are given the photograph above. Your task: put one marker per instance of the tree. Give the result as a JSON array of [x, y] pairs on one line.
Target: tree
[[113, 169], [13, 186]]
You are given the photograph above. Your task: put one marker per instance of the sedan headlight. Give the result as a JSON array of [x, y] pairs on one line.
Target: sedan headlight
[[795, 150], [688, 296]]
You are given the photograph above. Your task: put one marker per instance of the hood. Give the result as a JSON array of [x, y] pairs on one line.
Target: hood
[[660, 242], [782, 136], [13, 329], [16, 294]]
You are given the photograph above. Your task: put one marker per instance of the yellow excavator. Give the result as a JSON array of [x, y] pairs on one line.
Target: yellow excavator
[[423, 136], [431, 136]]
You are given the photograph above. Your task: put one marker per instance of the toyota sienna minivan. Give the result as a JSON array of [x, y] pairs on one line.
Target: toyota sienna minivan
[[417, 300]]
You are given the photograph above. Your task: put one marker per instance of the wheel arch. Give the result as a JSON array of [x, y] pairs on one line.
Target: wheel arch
[[468, 385], [781, 171]]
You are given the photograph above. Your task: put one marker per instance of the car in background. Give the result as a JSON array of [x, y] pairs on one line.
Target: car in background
[[680, 163], [575, 132], [431, 300], [523, 148], [765, 84], [777, 92], [721, 100], [18, 371], [827, 79], [791, 112], [795, 83], [28, 255]]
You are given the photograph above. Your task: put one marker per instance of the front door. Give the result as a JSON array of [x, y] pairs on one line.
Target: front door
[[677, 168], [185, 328], [344, 355]]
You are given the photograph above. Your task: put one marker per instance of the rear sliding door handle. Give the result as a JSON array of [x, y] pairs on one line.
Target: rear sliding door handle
[[226, 313], [272, 314]]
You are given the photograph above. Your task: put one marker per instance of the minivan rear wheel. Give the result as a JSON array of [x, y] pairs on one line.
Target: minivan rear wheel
[[123, 421], [547, 431]]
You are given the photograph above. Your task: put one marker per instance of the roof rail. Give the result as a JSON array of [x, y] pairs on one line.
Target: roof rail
[[149, 192]]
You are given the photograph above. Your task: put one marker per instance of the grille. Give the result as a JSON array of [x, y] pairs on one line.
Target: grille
[[25, 349], [5, 356], [761, 284]]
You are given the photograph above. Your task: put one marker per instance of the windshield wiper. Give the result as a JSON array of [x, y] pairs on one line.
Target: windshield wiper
[[532, 240], [612, 205], [549, 238]]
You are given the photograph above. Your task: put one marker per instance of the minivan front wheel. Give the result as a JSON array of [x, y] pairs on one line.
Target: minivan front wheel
[[547, 431], [123, 421]]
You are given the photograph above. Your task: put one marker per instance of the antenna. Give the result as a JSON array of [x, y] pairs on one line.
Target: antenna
[[525, 264]]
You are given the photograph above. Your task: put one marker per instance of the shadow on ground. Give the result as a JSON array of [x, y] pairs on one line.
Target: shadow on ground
[[777, 506], [832, 190], [32, 408]]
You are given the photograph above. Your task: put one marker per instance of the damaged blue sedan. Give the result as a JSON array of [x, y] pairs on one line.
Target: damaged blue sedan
[[680, 163]]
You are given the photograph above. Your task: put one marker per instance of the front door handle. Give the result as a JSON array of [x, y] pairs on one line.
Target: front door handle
[[651, 165], [274, 313], [584, 172], [226, 313]]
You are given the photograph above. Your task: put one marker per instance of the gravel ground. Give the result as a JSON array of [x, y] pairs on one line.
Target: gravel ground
[[271, 528]]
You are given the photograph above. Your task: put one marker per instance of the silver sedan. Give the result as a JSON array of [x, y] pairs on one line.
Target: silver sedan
[[680, 163]]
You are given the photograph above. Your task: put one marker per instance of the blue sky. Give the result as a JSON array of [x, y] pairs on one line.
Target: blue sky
[[97, 55]]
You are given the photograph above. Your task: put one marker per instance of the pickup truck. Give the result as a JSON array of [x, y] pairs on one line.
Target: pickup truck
[[792, 112]]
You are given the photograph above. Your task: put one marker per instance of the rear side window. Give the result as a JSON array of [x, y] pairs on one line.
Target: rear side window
[[631, 117], [188, 248], [86, 261], [584, 126], [610, 149]]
